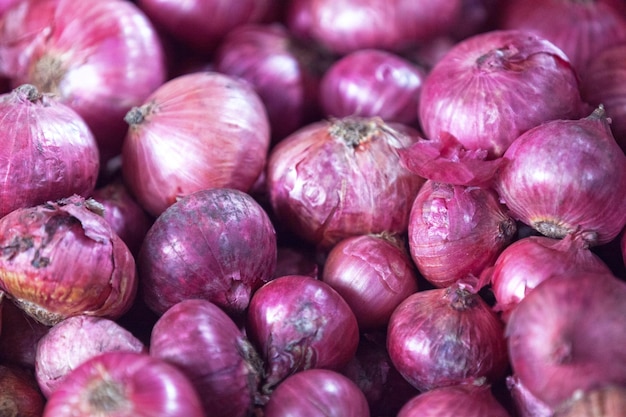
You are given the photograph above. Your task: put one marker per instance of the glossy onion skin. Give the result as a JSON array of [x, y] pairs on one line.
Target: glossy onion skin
[[48, 152], [340, 178], [567, 176], [196, 131], [61, 259], [446, 336], [568, 334], [203, 341], [297, 322], [217, 244], [317, 393], [125, 384], [493, 86]]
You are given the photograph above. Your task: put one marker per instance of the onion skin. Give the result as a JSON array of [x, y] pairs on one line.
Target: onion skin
[[317, 393], [20, 335], [62, 259], [525, 403], [47, 149], [447, 336], [507, 79], [217, 244], [125, 384], [297, 322], [205, 343], [567, 176], [456, 232], [605, 401], [340, 178], [19, 394], [75, 340], [568, 334], [173, 148]]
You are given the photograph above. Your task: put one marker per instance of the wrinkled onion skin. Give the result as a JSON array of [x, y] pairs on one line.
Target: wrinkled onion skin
[[493, 86], [19, 393], [217, 244], [568, 334], [447, 336], [567, 176], [317, 392], [456, 231]]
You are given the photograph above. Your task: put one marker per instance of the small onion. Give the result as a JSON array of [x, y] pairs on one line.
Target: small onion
[[568, 334], [446, 336], [567, 176], [216, 244], [62, 259], [196, 131], [19, 393], [604, 401], [456, 232]]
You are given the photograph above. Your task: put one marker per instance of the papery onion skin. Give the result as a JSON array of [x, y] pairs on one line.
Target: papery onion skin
[[317, 392], [99, 57], [75, 340], [568, 334], [217, 244], [125, 384], [340, 178], [493, 86], [196, 131], [446, 336], [604, 401], [297, 322], [19, 393], [61, 259], [48, 151], [567, 176], [373, 274], [372, 82], [457, 231]]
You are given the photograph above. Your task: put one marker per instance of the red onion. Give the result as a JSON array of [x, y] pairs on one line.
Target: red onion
[[100, 57], [48, 151], [373, 274], [204, 342], [371, 82], [465, 400], [6, 5], [216, 244], [567, 176], [507, 80], [19, 394], [296, 323], [317, 392], [533, 259], [525, 403], [61, 259], [197, 131], [20, 334], [340, 178], [581, 29], [296, 260], [283, 71], [75, 340], [567, 334], [456, 232], [604, 401], [125, 384], [446, 336]]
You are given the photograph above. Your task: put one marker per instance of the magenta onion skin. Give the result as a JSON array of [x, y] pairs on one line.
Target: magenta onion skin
[[20, 335], [508, 79], [217, 244], [334, 179], [48, 150], [373, 274], [99, 57], [75, 340], [61, 259], [205, 343], [567, 334], [196, 131], [297, 322], [19, 393], [455, 232], [317, 393], [464, 400], [525, 403], [125, 384], [567, 176], [372, 82], [446, 336]]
